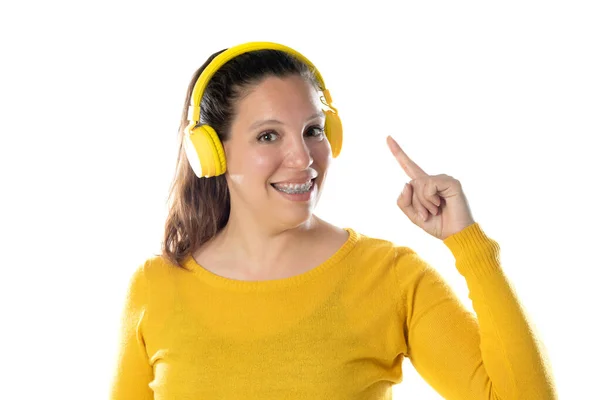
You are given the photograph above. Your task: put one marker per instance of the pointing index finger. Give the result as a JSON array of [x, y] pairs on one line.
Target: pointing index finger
[[408, 165]]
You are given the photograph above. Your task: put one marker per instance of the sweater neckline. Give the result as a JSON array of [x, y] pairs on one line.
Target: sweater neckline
[[273, 284]]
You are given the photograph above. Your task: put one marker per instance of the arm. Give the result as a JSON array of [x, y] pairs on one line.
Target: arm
[[133, 371], [493, 355]]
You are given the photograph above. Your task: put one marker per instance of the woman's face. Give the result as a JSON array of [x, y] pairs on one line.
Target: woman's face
[[277, 136]]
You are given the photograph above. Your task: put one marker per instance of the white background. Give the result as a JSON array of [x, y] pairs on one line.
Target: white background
[[503, 96]]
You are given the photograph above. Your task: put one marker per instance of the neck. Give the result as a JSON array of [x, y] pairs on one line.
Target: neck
[[259, 246]]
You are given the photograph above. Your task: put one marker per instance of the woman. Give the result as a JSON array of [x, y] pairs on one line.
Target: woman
[[255, 297]]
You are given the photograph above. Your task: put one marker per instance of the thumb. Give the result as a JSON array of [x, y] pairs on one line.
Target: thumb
[[405, 203]]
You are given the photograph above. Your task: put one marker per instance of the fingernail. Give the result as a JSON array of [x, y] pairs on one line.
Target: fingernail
[[404, 188]]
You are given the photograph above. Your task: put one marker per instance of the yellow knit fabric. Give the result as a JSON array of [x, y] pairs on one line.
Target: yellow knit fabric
[[338, 331]]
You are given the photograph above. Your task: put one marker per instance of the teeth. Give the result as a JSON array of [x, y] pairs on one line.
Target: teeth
[[294, 188]]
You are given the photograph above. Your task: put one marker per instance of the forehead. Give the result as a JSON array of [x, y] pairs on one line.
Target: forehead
[[280, 95]]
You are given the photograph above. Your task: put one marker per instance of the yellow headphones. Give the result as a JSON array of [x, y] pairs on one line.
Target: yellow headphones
[[203, 148]]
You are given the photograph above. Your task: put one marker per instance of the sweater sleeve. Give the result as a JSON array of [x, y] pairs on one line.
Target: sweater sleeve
[[493, 355], [133, 372]]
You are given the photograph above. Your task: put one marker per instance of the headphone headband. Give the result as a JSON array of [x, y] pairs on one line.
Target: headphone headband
[[203, 147], [225, 56]]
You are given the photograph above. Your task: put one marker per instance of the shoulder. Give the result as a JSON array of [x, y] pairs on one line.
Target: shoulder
[[377, 243], [157, 269], [376, 249], [160, 280]]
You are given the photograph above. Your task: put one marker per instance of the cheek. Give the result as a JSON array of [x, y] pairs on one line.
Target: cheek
[[322, 154], [263, 162], [256, 166]]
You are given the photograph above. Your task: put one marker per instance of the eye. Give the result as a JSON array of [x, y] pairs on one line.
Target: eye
[[266, 134], [318, 129]]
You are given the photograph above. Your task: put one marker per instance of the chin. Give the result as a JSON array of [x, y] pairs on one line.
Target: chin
[[292, 222]]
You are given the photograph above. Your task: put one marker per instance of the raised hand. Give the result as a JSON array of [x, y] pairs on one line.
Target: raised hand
[[438, 198]]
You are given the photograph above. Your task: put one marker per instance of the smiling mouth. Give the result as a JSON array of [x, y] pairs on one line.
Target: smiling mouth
[[300, 188]]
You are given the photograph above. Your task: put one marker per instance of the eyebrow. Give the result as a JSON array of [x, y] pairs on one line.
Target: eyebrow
[[274, 121]]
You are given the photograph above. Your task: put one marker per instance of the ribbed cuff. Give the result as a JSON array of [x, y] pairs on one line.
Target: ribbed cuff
[[475, 253]]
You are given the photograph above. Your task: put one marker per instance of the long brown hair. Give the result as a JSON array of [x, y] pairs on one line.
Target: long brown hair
[[198, 208]]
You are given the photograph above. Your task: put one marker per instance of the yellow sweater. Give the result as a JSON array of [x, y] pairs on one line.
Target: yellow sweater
[[338, 331]]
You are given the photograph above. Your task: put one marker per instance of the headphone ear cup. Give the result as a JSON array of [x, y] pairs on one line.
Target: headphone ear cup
[[333, 131], [204, 151]]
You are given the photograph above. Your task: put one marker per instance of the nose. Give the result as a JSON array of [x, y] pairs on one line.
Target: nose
[[298, 154]]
